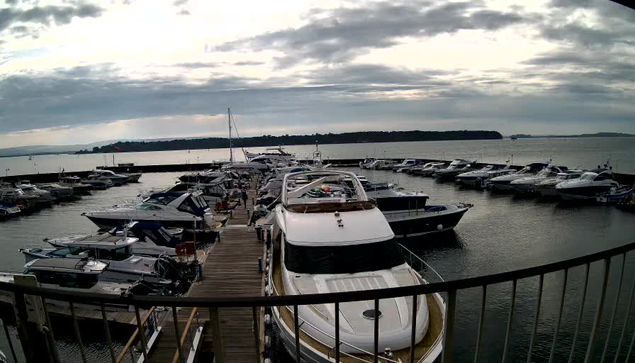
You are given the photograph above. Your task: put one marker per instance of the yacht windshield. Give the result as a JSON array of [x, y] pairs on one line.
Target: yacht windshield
[[588, 176], [342, 259]]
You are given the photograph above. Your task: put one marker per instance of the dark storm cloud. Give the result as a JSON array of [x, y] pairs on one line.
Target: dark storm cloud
[[338, 35], [45, 15]]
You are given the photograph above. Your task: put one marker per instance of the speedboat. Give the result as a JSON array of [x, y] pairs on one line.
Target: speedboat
[[334, 239], [98, 182], [272, 155], [527, 185], [8, 210], [59, 192], [145, 238], [170, 210], [456, 167], [427, 169], [212, 193], [616, 195], [588, 186], [478, 178], [501, 183], [364, 164], [410, 216], [116, 179], [75, 182], [41, 197], [123, 265], [79, 275], [205, 177], [381, 164], [547, 187], [405, 165], [132, 177]]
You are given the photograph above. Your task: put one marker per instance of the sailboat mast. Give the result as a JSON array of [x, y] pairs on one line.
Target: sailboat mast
[[231, 150]]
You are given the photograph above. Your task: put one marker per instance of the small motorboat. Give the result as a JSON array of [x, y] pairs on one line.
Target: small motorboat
[[381, 164], [405, 165], [187, 210], [456, 167], [615, 195], [75, 182], [132, 177], [8, 210], [479, 178], [41, 197], [427, 169], [588, 186], [547, 187], [59, 192], [365, 164], [502, 182], [116, 179], [527, 185], [98, 182], [410, 216]]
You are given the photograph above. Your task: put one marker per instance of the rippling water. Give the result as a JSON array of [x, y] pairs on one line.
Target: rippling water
[[500, 233], [572, 152]]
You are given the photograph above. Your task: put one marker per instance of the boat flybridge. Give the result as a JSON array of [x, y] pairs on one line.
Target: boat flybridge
[[332, 238], [187, 210]]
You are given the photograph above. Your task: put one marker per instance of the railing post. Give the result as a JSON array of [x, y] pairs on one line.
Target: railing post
[[536, 318], [448, 329], [108, 337], [142, 334], [77, 334], [337, 332], [615, 306], [481, 320], [413, 332], [255, 316], [580, 313], [376, 332], [296, 325], [555, 333], [219, 348], [179, 348], [510, 320], [29, 333], [598, 312]]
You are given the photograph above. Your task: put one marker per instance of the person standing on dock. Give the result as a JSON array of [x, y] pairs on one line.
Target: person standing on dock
[[244, 196]]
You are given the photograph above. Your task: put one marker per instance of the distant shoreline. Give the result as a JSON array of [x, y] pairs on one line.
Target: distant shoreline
[[268, 140], [598, 134]]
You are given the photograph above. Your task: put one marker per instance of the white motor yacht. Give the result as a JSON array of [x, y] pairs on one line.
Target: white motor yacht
[[98, 182], [427, 169], [381, 164], [527, 185], [40, 196], [405, 165], [272, 155], [8, 210], [478, 178], [58, 191], [170, 210], [333, 239], [116, 179], [547, 187], [588, 186], [502, 182], [364, 164], [75, 182], [456, 167]]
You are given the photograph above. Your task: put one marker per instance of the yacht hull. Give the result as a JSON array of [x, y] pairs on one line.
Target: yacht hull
[[109, 223], [406, 223], [582, 193]]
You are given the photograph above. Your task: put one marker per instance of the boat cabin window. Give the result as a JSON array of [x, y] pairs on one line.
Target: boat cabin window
[[145, 206], [65, 279], [342, 259], [588, 176], [118, 254], [161, 200], [603, 176]]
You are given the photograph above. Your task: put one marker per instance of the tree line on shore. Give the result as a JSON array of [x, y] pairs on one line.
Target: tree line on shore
[[269, 140]]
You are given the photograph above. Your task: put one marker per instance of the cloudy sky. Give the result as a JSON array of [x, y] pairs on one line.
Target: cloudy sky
[[75, 71]]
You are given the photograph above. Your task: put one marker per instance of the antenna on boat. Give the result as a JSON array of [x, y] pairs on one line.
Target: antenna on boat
[[229, 122]]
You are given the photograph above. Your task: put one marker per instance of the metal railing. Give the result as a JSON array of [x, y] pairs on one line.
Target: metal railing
[[450, 288]]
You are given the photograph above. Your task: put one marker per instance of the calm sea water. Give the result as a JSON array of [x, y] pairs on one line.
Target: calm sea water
[[500, 233], [572, 152]]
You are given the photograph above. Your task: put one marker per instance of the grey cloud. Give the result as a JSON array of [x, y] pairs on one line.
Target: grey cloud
[[180, 2], [248, 63], [184, 12], [46, 15], [333, 36], [194, 65], [11, 2]]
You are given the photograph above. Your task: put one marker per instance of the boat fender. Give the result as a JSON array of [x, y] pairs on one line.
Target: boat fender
[[267, 341], [268, 360], [260, 265], [440, 227], [267, 319], [388, 353]]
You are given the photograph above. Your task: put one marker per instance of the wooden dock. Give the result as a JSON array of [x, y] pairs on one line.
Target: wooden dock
[[230, 270]]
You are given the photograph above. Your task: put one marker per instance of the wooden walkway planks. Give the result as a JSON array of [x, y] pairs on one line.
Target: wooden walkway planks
[[230, 270]]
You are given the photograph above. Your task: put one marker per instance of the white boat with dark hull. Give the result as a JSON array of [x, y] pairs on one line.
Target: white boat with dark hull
[[427, 169], [479, 178], [588, 186], [116, 179], [80, 275], [75, 182], [59, 192], [151, 239], [547, 187], [8, 210], [409, 216], [405, 165], [170, 210], [527, 185], [456, 167], [333, 239], [123, 266], [502, 183], [381, 164], [98, 182], [41, 197], [273, 155], [365, 164]]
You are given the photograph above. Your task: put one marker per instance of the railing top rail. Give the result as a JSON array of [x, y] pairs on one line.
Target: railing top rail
[[94, 298]]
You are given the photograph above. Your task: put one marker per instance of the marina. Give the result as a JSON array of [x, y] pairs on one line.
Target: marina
[[464, 248]]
